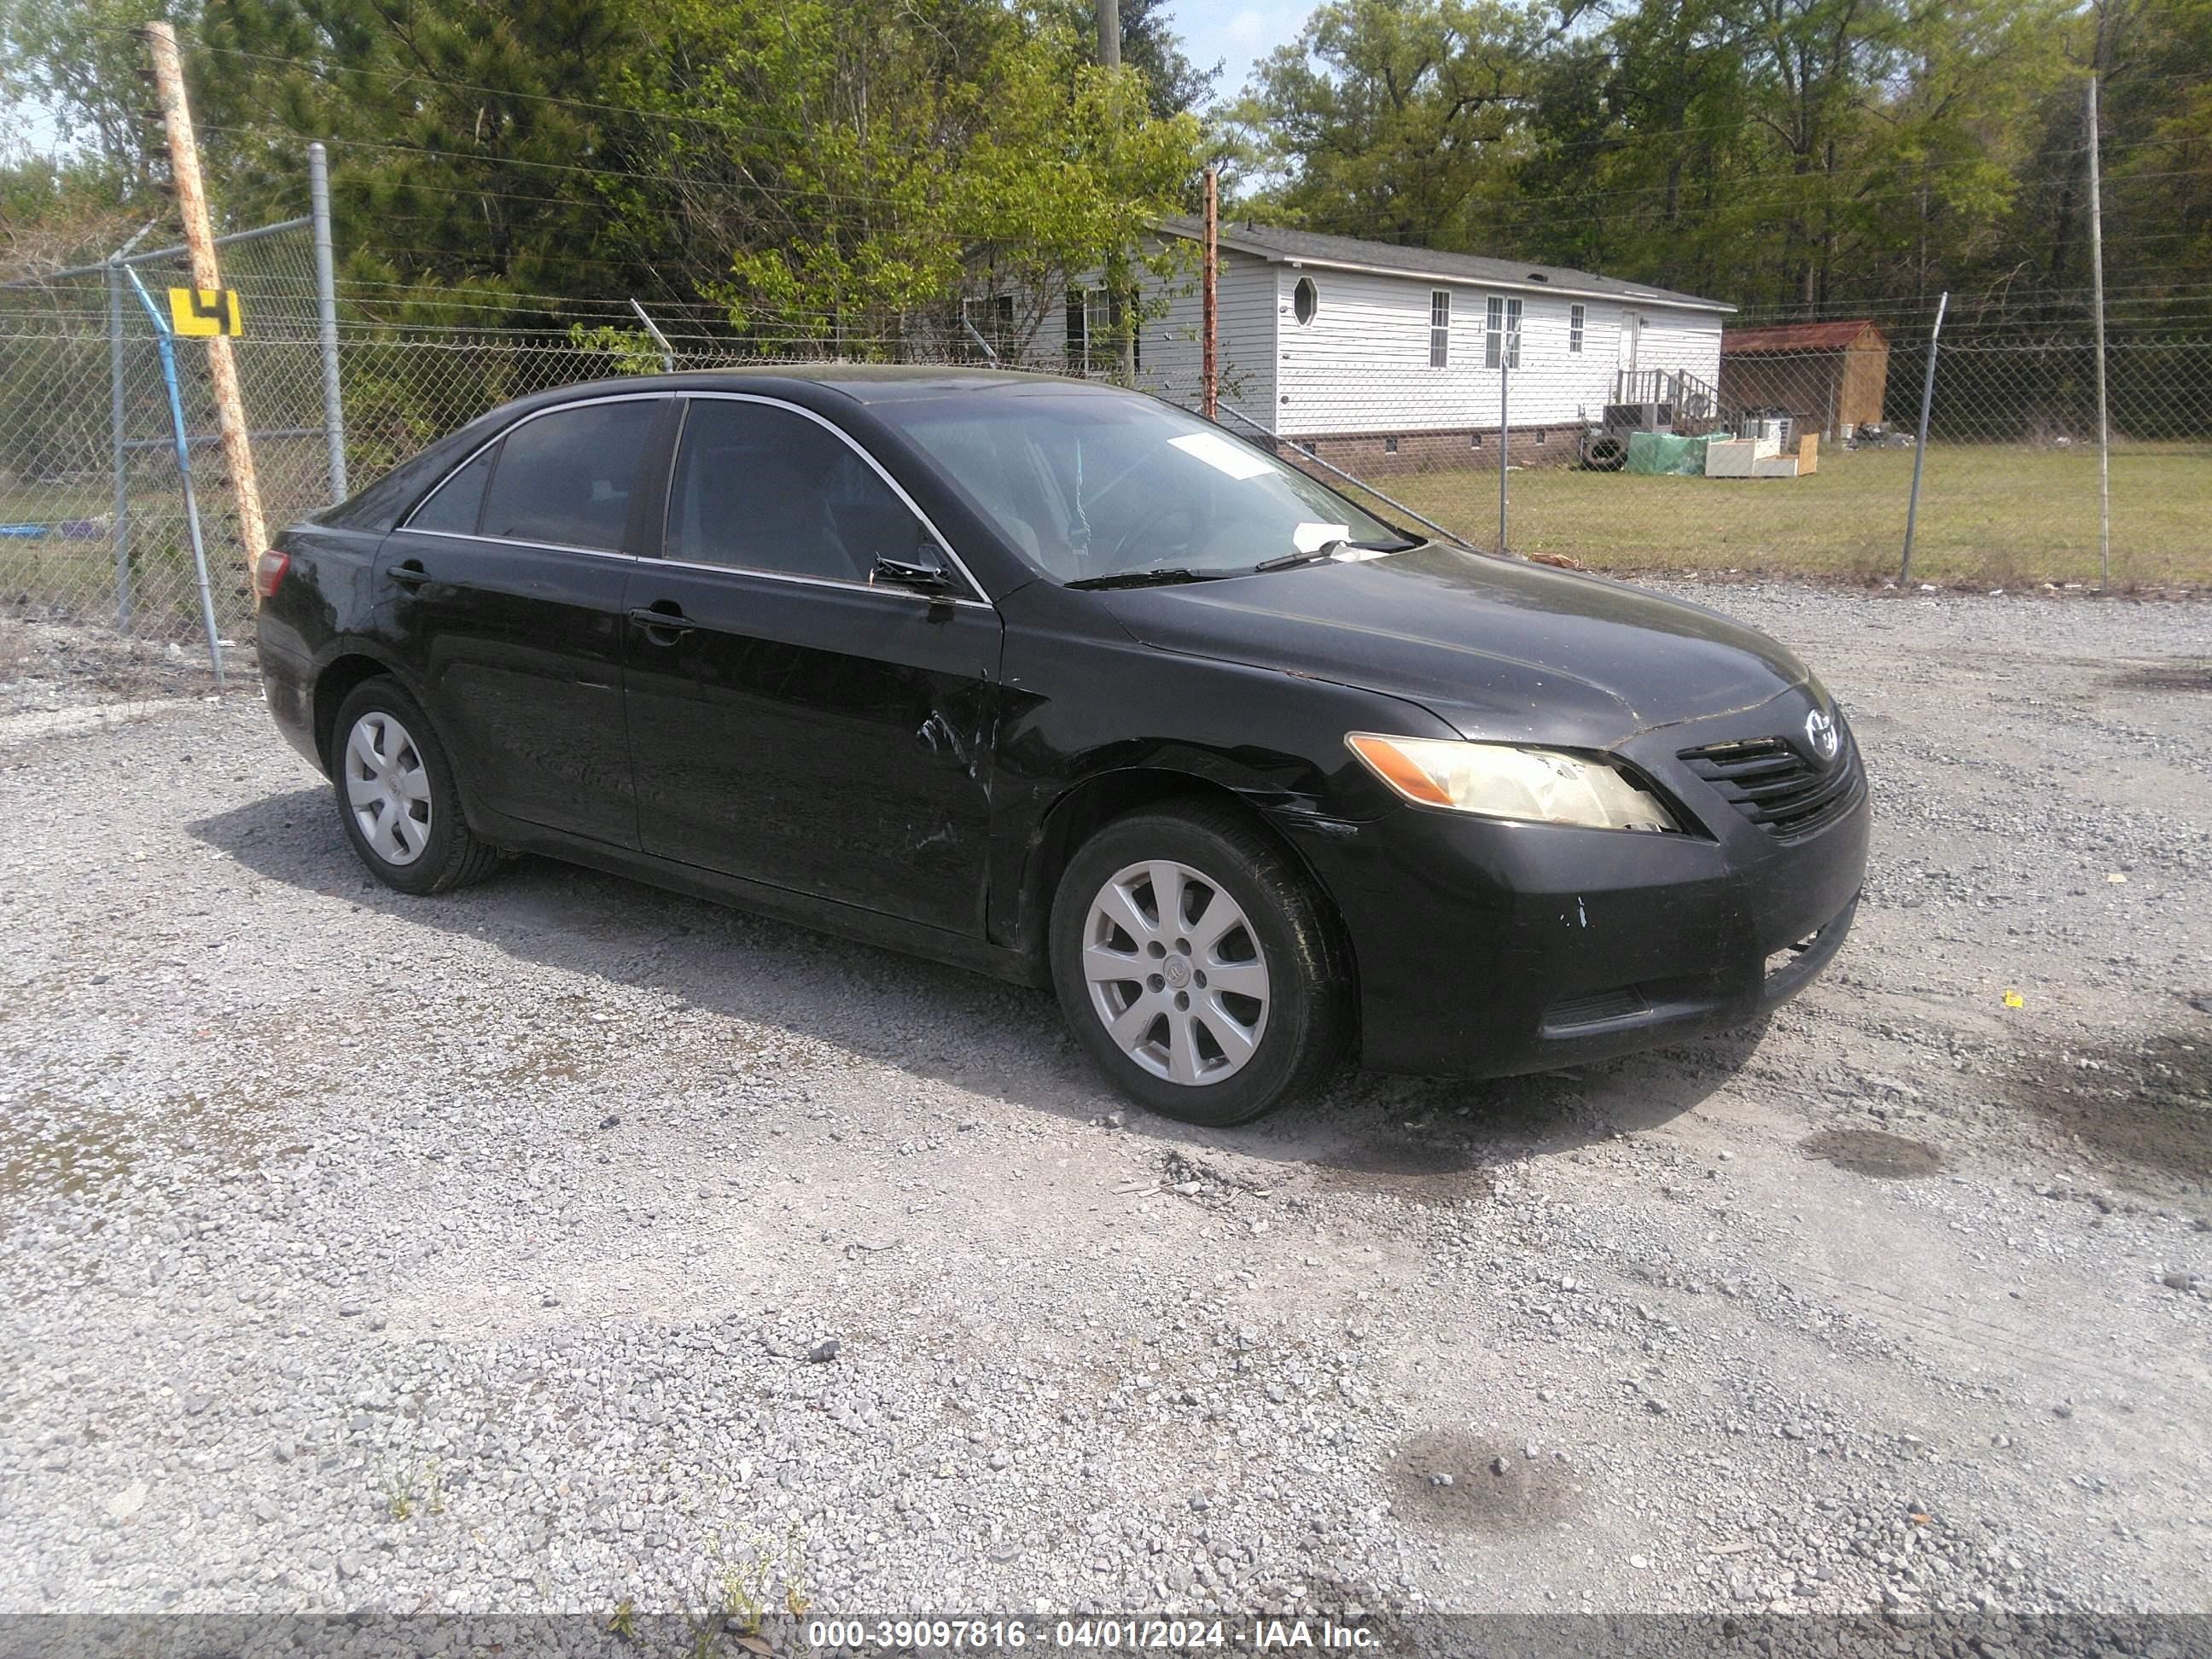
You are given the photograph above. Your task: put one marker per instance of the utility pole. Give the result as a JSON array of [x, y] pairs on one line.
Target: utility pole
[[199, 243], [2097, 290], [1209, 397], [1122, 295]]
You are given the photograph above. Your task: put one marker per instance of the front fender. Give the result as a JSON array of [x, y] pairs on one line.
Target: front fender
[[1272, 737]]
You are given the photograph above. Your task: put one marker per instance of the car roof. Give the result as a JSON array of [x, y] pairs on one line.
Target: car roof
[[380, 505], [864, 383]]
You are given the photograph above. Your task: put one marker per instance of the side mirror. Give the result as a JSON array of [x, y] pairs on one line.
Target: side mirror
[[926, 569]]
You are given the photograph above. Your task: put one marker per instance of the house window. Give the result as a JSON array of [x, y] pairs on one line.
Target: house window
[[1501, 332], [1390, 445], [1439, 328], [1304, 300], [1577, 315], [1094, 336], [1474, 440]]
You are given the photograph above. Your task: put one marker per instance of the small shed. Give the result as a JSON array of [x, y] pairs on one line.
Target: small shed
[[1830, 377]]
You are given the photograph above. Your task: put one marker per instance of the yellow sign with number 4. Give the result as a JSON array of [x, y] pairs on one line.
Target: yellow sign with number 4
[[205, 311]]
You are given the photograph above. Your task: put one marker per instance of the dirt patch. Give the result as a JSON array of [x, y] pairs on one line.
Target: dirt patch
[[65, 1159], [1874, 1152], [49, 1145], [2144, 1113], [1403, 1166], [1465, 1483], [2166, 676]]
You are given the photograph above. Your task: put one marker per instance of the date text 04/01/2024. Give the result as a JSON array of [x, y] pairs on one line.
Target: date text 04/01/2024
[[1136, 1634]]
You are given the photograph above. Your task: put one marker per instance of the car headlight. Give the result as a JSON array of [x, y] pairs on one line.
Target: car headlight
[[1498, 781]]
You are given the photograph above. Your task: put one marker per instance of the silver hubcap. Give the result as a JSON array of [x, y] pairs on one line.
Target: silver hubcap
[[387, 788], [1176, 973]]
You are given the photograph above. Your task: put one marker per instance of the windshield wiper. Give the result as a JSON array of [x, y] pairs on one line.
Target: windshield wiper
[[1328, 552], [1149, 578]]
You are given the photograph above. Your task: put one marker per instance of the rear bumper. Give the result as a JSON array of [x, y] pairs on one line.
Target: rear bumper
[[1486, 949], [288, 686]]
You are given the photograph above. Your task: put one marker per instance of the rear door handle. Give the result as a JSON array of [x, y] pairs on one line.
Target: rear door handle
[[410, 573], [665, 616]]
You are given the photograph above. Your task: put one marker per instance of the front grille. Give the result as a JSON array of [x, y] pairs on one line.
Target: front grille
[[1778, 788]]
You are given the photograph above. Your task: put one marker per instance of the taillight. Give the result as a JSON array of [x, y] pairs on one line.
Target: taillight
[[269, 570]]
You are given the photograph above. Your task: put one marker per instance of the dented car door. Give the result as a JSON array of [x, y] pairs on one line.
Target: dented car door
[[792, 721]]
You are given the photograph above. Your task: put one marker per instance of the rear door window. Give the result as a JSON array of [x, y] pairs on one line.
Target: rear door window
[[455, 506], [566, 477]]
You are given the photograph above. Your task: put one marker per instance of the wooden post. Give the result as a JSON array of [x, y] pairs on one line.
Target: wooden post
[[199, 242], [1210, 365]]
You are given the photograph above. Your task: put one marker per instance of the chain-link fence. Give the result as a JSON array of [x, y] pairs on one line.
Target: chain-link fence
[[1744, 445], [1749, 450], [93, 522]]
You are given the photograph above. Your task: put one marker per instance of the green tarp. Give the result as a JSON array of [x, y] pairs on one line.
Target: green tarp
[[1652, 453]]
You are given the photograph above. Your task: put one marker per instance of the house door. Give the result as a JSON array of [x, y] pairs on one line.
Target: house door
[[1631, 339]]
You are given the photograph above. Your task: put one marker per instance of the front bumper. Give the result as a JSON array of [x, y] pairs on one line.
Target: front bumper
[[1486, 948]]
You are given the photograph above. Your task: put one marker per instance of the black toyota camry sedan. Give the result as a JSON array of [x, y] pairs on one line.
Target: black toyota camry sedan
[[1059, 683]]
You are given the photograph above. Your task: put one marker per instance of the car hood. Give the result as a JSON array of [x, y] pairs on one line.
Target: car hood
[[1497, 648]]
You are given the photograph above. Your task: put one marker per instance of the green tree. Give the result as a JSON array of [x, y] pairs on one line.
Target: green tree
[[1173, 84], [475, 152], [79, 61], [857, 161], [1396, 118]]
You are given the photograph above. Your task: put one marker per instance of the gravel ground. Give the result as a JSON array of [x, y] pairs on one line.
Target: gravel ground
[[563, 1243]]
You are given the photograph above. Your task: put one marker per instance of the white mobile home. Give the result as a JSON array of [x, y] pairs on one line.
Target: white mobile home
[[1378, 356]]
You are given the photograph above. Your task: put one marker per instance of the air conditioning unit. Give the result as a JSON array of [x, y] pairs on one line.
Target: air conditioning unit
[[1639, 417], [1773, 423]]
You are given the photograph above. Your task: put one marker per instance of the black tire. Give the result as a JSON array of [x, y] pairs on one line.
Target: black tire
[[449, 854], [1307, 1023]]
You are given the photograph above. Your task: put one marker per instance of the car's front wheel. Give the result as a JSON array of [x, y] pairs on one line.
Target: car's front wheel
[[396, 795], [1197, 966]]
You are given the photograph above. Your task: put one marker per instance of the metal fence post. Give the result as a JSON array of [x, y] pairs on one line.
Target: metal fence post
[[1505, 378], [2104, 408], [327, 309], [667, 351], [119, 459], [1920, 446], [169, 350]]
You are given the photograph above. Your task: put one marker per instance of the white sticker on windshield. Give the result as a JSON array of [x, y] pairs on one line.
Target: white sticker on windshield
[[1217, 453], [1312, 537]]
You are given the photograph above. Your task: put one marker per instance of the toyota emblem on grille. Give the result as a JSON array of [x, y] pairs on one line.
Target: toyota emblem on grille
[[1820, 732]]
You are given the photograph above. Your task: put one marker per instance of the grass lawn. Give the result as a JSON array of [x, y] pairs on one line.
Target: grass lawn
[[1992, 516], [74, 566]]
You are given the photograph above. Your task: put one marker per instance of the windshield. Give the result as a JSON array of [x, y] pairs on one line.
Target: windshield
[[1094, 485]]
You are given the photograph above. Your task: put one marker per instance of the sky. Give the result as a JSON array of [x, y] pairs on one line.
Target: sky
[[1236, 32]]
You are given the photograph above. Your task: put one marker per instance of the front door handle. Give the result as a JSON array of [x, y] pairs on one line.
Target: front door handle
[[663, 616], [410, 573]]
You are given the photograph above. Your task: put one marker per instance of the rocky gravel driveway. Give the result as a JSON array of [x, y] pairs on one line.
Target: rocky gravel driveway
[[562, 1244]]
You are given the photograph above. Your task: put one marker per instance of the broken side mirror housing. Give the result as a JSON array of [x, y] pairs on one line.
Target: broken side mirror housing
[[926, 569]]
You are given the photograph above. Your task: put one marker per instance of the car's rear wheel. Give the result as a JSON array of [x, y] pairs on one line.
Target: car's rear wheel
[[396, 795], [1197, 966]]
